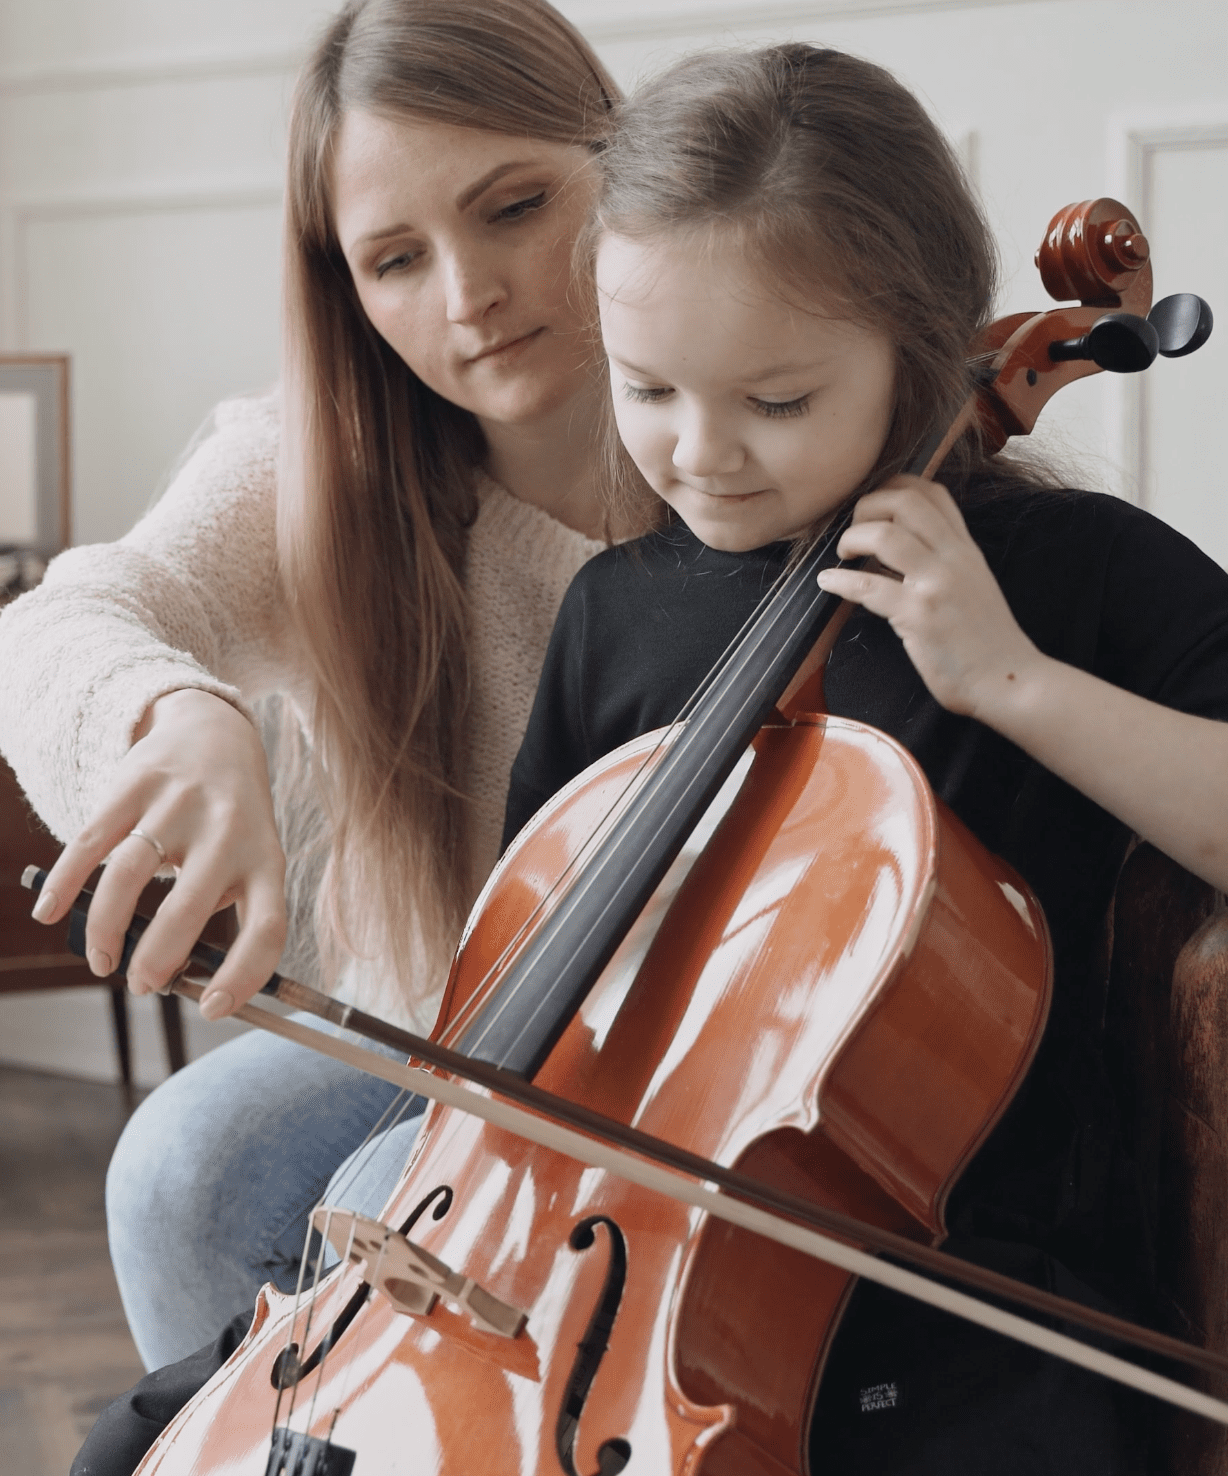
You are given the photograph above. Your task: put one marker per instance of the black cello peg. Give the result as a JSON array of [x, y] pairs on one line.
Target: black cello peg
[[1120, 342], [1184, 323]]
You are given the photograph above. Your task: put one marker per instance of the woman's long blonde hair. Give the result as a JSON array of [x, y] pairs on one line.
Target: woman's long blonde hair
[[377, 481]]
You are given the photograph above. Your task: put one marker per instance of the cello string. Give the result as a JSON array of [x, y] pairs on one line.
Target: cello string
[[318, 1379], [595, 873], [926, 457], [635, 782], [399, 1103], [371, 1272], [287, 1353], [310, 1310], [492, 978], [740, 652], [293, 1368]]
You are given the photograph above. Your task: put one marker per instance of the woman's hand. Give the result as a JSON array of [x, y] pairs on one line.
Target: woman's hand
[[196, 782], [947, 608]]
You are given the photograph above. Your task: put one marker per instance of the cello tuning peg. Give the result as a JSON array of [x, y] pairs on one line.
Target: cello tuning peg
[[1120, 342], [1184, 323]]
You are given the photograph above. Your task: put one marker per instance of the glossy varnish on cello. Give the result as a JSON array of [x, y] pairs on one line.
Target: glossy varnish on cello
[[817, 1008], [831, 986]]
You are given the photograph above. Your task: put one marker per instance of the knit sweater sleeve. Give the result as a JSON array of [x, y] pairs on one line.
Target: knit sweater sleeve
[[189, 598]]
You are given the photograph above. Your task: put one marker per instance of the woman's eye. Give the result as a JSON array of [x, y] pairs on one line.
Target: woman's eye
[[774, 408], [644, 394], [395, 264], [520, 208]]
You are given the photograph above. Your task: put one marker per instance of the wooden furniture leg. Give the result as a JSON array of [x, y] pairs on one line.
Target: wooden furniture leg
[[172, 1032], [123, 1037]]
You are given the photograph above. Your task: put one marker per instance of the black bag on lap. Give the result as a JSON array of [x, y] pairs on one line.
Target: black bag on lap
[[129, 1425]]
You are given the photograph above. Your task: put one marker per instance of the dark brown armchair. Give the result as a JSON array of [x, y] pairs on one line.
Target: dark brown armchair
[[1167, 1010]]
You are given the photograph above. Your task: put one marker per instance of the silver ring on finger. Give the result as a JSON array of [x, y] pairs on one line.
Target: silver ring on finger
[[150, 841]]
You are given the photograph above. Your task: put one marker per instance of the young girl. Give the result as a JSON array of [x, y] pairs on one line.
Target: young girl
[[790, 269]]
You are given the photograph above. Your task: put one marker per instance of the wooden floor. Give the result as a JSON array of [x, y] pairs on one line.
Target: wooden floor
[[64, 1345]]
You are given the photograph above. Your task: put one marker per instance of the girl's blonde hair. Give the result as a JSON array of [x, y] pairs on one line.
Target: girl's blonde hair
[[830, 176], [376, 489]]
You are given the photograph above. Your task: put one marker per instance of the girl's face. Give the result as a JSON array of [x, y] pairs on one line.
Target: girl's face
[[460, 244], [752, 418]]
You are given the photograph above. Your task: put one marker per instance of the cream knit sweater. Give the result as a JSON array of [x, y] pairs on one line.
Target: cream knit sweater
[[190, 598]]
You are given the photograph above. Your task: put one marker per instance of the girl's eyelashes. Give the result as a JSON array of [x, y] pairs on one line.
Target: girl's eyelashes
[[776, 408], [644, 394]]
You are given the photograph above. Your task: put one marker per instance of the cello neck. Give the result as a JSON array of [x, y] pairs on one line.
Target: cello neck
[[549, 977]]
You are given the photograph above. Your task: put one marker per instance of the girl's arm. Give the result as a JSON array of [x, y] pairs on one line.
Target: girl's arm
[[1161, 772]]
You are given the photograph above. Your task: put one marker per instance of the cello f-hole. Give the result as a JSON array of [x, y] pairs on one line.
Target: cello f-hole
[[287, 1370], [443, 1193], [612, 1455]]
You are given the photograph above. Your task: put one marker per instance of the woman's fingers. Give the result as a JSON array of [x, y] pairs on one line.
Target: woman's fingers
[[85, 852], [254, 954], [199, 891], [132, 866], [196, 785], [180, 918]]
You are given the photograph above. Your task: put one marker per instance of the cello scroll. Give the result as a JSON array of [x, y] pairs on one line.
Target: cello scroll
[[1094, 252]]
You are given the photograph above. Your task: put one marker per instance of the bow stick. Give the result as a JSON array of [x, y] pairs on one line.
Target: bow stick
[[589, 1137]]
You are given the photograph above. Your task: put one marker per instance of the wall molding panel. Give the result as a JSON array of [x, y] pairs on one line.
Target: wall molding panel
[[1134, 142], [224, 195], [635, 20], [16, 218], [639, 20], [147, 71]]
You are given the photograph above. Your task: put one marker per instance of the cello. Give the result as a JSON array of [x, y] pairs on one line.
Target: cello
[[761, 873]]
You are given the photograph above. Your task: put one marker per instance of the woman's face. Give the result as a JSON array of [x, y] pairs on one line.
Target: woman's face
[[460, 244]]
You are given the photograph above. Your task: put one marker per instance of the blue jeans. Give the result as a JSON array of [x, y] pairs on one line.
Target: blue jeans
[[212, 1183]]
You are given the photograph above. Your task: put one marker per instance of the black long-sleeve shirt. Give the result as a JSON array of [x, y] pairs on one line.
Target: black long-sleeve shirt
[[1053, 1196]]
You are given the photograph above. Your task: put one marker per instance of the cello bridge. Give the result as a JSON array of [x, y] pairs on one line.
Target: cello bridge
[[411, 1278]]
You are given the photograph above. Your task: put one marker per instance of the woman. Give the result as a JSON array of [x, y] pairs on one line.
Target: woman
[[382, 547]]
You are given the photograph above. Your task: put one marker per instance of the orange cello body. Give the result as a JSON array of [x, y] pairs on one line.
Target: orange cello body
[[836, 988]]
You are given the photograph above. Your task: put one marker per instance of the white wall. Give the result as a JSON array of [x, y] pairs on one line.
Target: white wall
[[140, 180], [140, 163], [70, 1033]]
